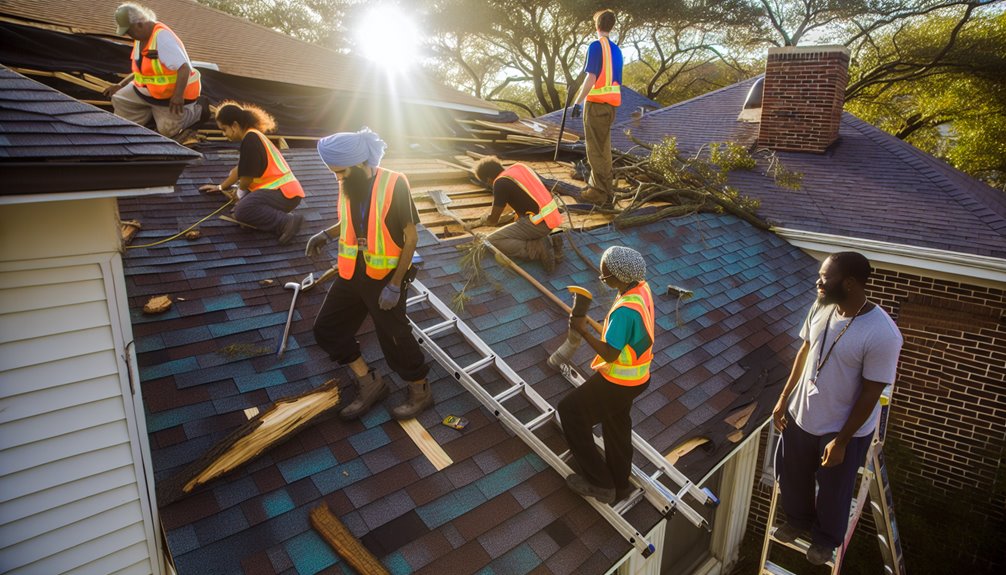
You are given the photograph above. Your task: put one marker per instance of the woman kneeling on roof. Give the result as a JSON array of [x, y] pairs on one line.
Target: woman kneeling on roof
[[267, 189]]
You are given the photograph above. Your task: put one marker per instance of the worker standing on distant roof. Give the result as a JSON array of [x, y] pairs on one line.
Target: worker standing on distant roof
[[377, 239], [267, 189], [165, 86], [602, 92], [537, 212], [849, 355], [622, 372]]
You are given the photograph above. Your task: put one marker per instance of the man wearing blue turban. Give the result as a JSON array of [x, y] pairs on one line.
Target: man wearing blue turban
[[377, 238]]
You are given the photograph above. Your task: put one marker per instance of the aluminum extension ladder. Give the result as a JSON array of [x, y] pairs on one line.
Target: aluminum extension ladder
[[647, 486], [873, 486]]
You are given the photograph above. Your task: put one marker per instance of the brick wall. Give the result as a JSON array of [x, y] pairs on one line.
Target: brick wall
[[803, 97], [947, 434]]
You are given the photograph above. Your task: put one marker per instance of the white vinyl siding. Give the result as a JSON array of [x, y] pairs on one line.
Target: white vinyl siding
[[72, 495]]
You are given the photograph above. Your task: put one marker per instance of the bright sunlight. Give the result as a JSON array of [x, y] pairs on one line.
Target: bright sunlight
[[389, 37]]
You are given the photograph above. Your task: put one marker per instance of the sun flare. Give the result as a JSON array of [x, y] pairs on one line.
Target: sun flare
[[389, 37]]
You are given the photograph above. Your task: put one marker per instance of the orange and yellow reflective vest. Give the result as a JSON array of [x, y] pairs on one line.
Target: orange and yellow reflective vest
[[527, 180], [157, 79], [605, 90], [278, 174], [381, 252], [630, 369]]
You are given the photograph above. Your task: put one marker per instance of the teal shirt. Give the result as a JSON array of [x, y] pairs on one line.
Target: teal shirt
[[625, 327]]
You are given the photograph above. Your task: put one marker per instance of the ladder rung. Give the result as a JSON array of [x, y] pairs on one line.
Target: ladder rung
[[437, 328], [540, 420], [509, 393], [418, 298], [478, 365], [773, 569]]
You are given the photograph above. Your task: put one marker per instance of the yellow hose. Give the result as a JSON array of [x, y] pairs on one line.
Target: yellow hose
[[183, 232]]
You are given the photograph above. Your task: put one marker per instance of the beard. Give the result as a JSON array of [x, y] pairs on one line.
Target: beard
[[356, 185], [832, 294]]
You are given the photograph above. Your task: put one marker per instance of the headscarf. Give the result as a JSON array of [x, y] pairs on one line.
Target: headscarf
[[624, 263], [351, 148]]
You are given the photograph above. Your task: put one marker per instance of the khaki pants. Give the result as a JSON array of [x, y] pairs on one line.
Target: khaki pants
[[597, 121], [129, 105], [522, 240]]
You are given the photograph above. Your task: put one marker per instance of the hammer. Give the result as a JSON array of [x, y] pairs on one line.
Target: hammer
[[581, 302]]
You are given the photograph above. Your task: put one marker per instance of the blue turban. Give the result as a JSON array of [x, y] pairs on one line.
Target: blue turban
[[351, 148]]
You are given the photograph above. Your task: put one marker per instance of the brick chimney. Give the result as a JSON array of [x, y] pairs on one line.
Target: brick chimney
[[803, 97]]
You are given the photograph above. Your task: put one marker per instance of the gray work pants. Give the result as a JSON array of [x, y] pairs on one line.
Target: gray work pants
[[128, 105], [522, 240]]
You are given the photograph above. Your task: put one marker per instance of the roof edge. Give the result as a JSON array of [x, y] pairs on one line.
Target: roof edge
[[958, 264]]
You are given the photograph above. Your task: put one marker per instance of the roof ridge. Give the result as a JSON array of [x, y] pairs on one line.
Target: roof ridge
[[693, 99], [928, 166]]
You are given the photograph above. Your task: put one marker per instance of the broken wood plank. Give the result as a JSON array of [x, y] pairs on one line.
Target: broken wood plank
[[429, 446], [684, 449], [240, 223], [739, 418], [348, 547], [262, 432]]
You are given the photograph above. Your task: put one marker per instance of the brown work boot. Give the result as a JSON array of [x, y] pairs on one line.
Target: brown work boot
[[547, 258], [369, 390], [291, 225], [419, 399], [556, 239], [594, 196]]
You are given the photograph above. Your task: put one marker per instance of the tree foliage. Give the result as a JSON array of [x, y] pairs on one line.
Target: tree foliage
[[940, 84]]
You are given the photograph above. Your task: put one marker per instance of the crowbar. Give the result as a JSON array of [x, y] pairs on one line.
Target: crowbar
[[562, 126]]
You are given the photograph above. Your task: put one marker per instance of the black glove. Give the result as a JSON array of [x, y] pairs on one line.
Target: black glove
[[316, 243], [577, 110]]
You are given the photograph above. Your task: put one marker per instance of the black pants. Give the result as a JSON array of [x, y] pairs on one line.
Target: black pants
[[600, 401], [346, 306], [798, 464], [265, 209]]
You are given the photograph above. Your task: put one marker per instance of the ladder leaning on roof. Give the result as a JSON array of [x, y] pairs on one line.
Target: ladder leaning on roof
[[647, 486], [874, 485]]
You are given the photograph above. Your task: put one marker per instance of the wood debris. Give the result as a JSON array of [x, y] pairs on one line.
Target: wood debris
[[348, 547], [128, 230], [193, 235], [266, 282], [262, 432], [157, 304], [684, 448]]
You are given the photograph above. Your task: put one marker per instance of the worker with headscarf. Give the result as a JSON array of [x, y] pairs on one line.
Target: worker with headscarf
[[377, 238], [267, 189], [165, 85], [622, 372]]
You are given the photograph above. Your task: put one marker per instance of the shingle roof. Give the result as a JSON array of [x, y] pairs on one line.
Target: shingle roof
[[867, 185], [632, 103], [239, 47], [39, 123], [498, 504]]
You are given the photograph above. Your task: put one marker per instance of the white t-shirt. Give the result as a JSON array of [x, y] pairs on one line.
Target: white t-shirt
[[169, 50], [868, 350]]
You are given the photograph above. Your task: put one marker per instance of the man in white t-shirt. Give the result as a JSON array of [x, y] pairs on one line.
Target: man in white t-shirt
[[849, 355], [165, 86]]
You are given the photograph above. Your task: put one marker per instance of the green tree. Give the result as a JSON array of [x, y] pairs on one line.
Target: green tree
[[940, 84]]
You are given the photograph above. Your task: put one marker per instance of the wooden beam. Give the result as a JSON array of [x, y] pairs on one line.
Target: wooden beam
[[429, 446], [348, 547]]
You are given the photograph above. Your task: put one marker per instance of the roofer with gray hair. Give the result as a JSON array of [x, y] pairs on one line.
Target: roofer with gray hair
[[829, 408], [622, 372], [377, 238], [165, 86]]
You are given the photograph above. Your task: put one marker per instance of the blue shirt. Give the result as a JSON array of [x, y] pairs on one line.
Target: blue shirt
[[625, 327], [594, 58]]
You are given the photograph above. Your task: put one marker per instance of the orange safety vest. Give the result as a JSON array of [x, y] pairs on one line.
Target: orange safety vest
[[277, 174], [630, 369], [527, 180], [157, 79], [605, 90], [381, 253]]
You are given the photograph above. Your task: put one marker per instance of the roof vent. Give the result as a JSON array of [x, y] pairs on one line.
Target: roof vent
[[751, 112]]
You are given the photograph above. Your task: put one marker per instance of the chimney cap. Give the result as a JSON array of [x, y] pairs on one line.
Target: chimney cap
[[823, 49]]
